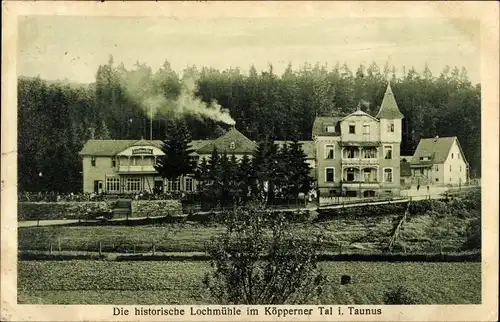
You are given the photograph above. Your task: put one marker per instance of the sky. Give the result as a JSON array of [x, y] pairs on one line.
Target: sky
[[72, 47]]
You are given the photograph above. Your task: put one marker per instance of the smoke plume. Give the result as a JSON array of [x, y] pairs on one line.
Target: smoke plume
[[155, 104], [365, 103]]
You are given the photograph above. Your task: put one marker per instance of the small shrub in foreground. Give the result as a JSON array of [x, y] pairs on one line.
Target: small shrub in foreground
[[399, 295]]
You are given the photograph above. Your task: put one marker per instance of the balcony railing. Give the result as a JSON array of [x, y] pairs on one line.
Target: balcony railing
[[360, 160], [360, 182], [137, 168]]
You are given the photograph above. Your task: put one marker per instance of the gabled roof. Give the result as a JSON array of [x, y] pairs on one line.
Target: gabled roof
[[322, 122], [389, 108], [308, 147], [359, 112], [113, 147], [437, 149], [108, 147], [242, 144]]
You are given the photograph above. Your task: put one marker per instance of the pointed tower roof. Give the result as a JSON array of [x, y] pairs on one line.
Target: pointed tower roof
[[389, 108]]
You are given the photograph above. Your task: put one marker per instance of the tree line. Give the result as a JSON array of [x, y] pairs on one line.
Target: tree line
[[272, 174], [56, 118]]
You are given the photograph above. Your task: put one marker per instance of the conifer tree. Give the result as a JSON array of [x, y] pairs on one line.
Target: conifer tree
[[300, 180], [177, 160]]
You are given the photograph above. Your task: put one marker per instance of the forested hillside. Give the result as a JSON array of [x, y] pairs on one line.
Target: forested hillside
[[56, 118]]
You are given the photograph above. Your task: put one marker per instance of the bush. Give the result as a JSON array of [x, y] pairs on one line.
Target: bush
[[287, 274], [473, 235], [399, 295]]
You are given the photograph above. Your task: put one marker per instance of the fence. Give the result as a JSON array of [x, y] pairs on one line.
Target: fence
[[85, 197]]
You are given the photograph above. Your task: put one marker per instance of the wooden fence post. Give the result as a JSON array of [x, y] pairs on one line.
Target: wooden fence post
[[100, 248], [50, 250], [59, 244]]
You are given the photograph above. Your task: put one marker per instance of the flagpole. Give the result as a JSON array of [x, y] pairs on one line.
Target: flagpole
[[151, 123]]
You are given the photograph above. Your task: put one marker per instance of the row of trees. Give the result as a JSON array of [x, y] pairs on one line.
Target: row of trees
[[56, 118], [272, 174]]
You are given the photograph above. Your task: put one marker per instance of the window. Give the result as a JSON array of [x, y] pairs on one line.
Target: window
[[366, 129], [388, 175], [113, 162], [388, 152], [330, 174], [189, 184], [92, 162], [436, 168], [352, 129], [370, 153], [330, 129], [437, 179], [460, 169], [350, 153], [113, 184], [390, 127], [367, 175], [424, 159], [350, 175], [450, 168], [133, 184], [173, 185], [329, 151], [452, 155], [232, 146]]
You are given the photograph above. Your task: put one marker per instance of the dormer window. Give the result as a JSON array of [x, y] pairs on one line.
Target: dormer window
[[330, 129], [232, 146], [424, 159]]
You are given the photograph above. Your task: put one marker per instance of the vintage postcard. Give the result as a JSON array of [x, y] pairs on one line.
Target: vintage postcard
[[250, 161]]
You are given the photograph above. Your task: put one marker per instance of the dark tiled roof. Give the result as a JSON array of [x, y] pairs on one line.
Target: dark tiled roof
[[308, 147], [321, 122], [242, 144], [112, 147], [389, 108], [437, 149]]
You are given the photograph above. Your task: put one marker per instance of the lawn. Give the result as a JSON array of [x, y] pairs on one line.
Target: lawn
[[105, 282], [422, 233]]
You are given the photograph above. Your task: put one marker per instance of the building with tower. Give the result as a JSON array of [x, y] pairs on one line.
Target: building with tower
[[358, 155]]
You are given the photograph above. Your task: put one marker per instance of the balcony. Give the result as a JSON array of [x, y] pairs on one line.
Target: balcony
[[143, 169], [360, 161], [362, 183]]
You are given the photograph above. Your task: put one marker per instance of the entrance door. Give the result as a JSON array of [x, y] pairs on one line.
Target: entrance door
[[159, 186], [98, 186]]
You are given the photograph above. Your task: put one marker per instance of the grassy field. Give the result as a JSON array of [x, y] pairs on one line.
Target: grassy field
[[422, 233], [101, 282]]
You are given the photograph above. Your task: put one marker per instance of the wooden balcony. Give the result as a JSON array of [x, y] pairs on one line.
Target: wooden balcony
[[362, 184], [360, 161], [142, 169]]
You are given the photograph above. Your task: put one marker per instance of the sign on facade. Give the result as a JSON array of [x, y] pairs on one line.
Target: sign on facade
[[142, 151]]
